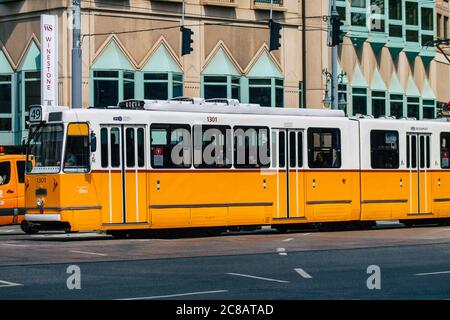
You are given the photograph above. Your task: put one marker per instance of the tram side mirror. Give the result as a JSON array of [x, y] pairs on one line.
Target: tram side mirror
[[93, 142]]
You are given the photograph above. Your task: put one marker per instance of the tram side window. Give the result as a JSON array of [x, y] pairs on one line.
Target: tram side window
[[170, 146], [324, 148], [212, 147], [130, 143], [5, 173], [445, 150], [384, 149], [141, 148], [104, 147], [251, 147], [281, 149], [115, 147]]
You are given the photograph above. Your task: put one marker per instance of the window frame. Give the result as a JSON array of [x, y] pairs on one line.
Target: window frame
[[171, 81], [167, 146], [120, 80], [258, 165], [312, 149], [10, 115], [377, 131], [66, 141], [227, 135], [274, 87], [440, 149]]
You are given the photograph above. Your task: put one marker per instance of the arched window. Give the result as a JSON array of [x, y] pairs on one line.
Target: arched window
[[265, 83], [221, 78], [113, 78]]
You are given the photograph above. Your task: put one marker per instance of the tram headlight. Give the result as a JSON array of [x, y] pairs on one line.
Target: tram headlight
[[40, 202]]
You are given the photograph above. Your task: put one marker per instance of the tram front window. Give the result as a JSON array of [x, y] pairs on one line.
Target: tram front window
[[46, 147]]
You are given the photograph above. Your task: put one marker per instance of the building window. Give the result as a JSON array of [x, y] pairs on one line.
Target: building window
[[342, 97], [277, 2], [413, 107], [438, 25], [358, 3], [427, 40], [396, 103], [5, 102], [377, 25], [106, 88], [395, 31], [359, 99], [163, 86], [427, 19], [267, 92], [412, 36], [395, 10], [342, 13], [445, 27], [378, 103], [128, 85], [412, 13], [358, 19], [32, 91], [429, 109], [112, 86], [377, 6], [227, 87]]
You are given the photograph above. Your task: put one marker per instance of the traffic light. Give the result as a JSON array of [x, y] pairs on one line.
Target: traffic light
[[186, 45], [337, 35], [275, 36]]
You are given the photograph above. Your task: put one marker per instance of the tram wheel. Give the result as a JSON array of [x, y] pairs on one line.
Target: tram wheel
[[120, 234], [28, 228], [281, 229]]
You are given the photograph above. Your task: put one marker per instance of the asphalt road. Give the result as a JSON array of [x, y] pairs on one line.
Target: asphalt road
[[413, 263]]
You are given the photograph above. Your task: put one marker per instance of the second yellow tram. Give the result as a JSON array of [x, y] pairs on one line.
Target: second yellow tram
[[191, 163]]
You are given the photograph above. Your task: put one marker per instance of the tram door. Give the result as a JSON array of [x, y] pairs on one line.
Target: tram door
[[418, 162], [290, 176], [127, 174]]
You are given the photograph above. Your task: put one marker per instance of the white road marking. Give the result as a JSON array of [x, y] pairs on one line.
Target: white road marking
[[287, 240], [74, 235], [282, 251], [306, 234], [6, 231], [91, 253], [15, 245], [6, 284], [176, 295], [432, 273], [254, 277], [303, 273]]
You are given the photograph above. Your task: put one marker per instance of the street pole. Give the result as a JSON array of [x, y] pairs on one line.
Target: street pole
[[77, 101], [334, 61]]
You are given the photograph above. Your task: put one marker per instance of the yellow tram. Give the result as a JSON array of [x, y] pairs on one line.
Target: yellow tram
[[12, 189], [219, 164]]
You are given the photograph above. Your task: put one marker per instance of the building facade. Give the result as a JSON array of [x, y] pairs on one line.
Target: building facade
[[390, 64], [132, 49]]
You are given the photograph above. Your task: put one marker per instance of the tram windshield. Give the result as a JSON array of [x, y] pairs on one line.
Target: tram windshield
[[45, 146]]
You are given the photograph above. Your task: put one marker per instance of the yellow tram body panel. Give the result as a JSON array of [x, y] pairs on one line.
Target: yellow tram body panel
[[75, 198], [12, 190]]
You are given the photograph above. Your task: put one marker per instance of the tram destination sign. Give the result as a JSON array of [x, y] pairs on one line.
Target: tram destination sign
[[132, 104]]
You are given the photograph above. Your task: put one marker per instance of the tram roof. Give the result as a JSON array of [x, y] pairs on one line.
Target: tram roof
[[221, 106]]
